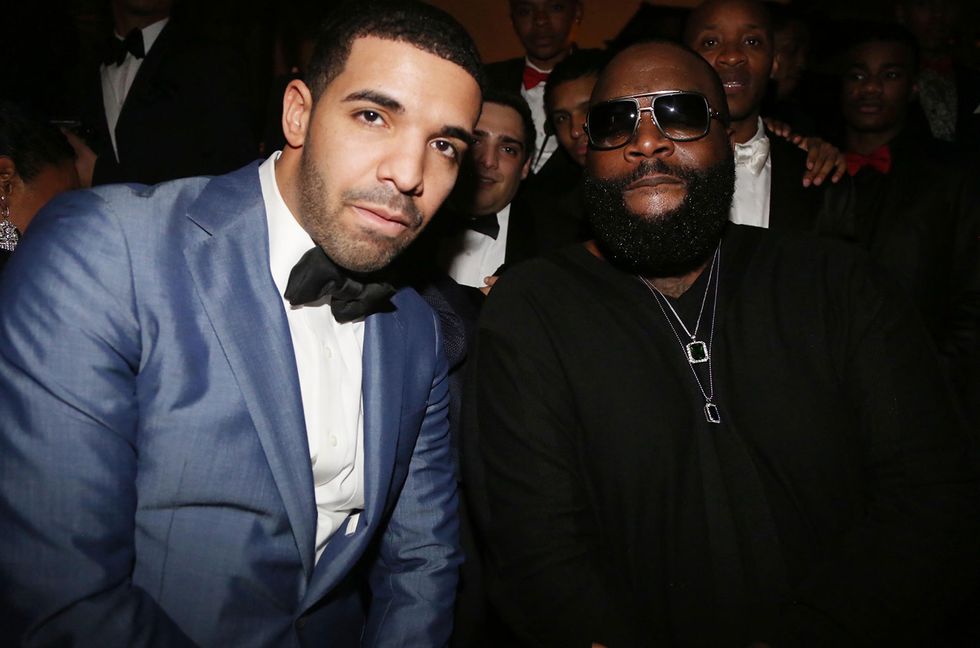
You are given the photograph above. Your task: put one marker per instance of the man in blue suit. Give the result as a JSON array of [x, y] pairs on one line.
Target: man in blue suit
[[189, 458]]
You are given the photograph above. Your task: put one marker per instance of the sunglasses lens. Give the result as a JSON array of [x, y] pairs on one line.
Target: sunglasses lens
[[682, 116], [611, 124]]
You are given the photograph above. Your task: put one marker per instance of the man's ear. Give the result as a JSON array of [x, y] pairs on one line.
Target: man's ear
[[7, 169], [526, 169], [777, 60], [297, 107]]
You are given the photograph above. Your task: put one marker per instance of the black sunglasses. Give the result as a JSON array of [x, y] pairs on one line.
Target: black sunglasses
[[681, 116]]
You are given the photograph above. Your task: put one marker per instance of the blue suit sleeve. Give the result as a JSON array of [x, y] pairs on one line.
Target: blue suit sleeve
[[413, 582], [69, 357]]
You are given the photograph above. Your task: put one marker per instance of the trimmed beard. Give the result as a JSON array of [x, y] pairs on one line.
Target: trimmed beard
[[668, 244], [361, 252]]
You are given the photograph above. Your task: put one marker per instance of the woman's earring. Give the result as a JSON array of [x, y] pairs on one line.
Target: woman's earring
[[8, 233]]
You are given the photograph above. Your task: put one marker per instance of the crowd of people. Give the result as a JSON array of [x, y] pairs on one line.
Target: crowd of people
[[668, 343]]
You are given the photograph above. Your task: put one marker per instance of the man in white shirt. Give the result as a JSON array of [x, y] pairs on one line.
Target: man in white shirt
[[163, 104], [478, 227], [224, 430], [771, 175]]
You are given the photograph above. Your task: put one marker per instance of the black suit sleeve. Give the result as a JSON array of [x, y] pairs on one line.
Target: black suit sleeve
[[526, 485]]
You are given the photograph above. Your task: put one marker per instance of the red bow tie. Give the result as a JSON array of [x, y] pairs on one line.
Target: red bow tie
[[533, 77], [880, 160]]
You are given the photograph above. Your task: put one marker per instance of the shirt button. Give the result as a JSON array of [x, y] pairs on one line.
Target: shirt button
[[327, 353], [333, 440]]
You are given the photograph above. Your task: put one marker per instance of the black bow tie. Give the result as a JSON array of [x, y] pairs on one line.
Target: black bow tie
[[486, 225], [315, 276], [116, 49]]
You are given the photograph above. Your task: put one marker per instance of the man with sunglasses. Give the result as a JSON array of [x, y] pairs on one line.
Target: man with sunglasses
[[694, 433]]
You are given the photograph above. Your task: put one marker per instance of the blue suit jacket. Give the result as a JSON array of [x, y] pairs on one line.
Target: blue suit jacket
[[155, 479]]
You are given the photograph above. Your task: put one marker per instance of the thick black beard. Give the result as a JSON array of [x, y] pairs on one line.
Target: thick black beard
[[668, 244]]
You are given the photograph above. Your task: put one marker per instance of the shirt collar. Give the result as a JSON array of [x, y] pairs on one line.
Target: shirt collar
[[288, 241], [150, 33]]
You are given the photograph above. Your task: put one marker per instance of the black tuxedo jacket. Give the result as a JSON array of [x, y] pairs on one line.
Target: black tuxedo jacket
[[792, 207], [506, 75], [186, 114], [548, 212], [921, 223]]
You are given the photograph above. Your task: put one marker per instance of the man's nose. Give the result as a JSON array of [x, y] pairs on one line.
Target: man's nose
[[404, 167], [648, 141]]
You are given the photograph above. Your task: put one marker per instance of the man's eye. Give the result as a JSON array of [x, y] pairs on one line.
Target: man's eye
[[509, 150], [709, 42], [753, 41], [371, 117], [446, 148], [559, 118]]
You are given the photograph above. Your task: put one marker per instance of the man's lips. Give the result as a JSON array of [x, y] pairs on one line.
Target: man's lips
[[654, 181], [734, 81], [869, 106], [384, 215], [487, 180]]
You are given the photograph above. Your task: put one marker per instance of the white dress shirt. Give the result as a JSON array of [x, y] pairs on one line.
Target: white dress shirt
[[328, 362], [535, 100], [478, 255], [118, 79], [753, 181]]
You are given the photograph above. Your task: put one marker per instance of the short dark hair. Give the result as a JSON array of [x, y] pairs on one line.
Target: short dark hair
[[862, 33], [31, 143], [519, 104], [409, 21], [580, 63]]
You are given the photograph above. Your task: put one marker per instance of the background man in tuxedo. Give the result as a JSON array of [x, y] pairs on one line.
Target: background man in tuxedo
[[917, 206], [478, 230], [550, 202], [546, 29], [163, 104], [188, 459], [773, 176]]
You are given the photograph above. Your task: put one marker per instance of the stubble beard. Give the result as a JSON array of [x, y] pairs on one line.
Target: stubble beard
[[361, 251], [671, 243]]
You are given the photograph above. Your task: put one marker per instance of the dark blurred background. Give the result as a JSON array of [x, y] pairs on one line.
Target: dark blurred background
[[47, 47]]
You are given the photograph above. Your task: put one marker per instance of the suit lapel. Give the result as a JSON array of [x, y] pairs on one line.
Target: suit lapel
[[384, 361], [148, 86], [789, 208], [228, 257]]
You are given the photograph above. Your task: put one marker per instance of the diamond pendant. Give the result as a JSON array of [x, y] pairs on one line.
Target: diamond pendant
[[711, 413], [697, 351]]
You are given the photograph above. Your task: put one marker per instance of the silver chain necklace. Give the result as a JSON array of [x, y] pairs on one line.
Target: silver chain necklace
[[697, 351]]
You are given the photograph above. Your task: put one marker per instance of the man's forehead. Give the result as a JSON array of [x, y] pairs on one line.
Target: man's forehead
[[881, 52], [746, 14], [500, 119]]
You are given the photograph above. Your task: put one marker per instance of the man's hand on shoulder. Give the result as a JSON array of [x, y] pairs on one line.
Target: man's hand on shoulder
[[823, 158]]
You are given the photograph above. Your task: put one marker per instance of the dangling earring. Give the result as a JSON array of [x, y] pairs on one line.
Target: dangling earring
[[8, 233]]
